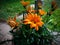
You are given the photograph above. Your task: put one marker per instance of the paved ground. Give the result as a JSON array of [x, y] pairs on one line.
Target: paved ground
[[4, 32]]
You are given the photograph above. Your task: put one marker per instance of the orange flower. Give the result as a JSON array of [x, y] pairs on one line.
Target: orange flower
[[12, 22], [42, 12], [25, 3], [34, 20]]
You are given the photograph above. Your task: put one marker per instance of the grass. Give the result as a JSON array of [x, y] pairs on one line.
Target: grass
[[10, 8]]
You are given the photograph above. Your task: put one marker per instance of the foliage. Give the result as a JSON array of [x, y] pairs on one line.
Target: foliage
[[27, 36], [53, 21]]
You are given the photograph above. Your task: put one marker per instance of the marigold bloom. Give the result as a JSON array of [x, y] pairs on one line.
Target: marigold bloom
[[12, 22], [25, 3], [42, 12], [34, 20]]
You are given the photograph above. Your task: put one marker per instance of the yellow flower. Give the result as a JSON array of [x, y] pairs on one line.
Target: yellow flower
[[25, 3], [42, 12], [30, 9], [12, 22], [34, 20]]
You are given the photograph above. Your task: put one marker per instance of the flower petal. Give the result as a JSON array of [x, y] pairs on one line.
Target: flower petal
[[40, 23], [36, 28], [32, 25]]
